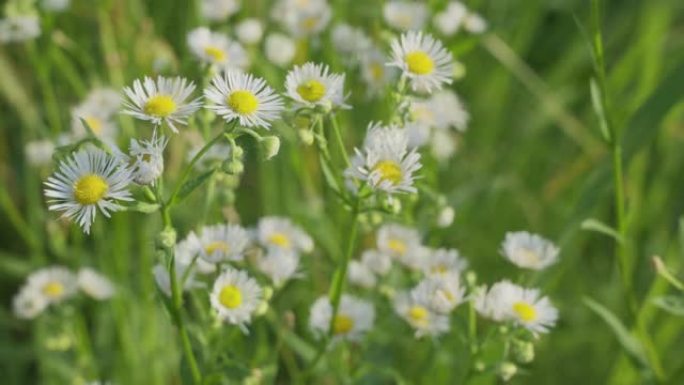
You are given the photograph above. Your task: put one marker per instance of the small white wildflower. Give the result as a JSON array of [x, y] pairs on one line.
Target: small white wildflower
[[405, 15], [277, 233], [312, 84], [19, 28], [39, 152], [148, 159], [444, 261], [95, 284], [415, 309], [250, 31], [87, 181], [423, 60], [449, 21], [219, 10], [377, 262], [354, 318], [222, 243], [443, 292], [280, 266], [55, 283], [360, 275], [529, 251], [235, 297], [217, 49], [279, 49]]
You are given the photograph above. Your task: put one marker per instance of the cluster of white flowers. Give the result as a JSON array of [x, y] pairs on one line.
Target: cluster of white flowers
[[274, 247], [457, 16], [56, 284]]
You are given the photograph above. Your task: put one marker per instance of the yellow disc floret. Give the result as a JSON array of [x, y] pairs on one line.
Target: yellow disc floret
[[216, 54], [230, 296], [53, 289], [279, 239], [311, 91], [419, 63], [397, 245], [418, 314], [389, 171], [95, 124], [525, 311], [160, 106], [342, 324], [216, 246], [89, 189], [243, 102]]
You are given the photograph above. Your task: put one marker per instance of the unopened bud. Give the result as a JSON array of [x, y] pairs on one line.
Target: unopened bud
[[166, 238], [392, 204], [271, 146], [306, 136], [523, 351], [233, 167], [445, 217], [238, 152], [507, 370]]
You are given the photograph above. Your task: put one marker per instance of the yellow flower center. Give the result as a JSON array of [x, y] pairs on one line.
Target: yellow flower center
[[230, 296], [90, 189], [309, 24], [311, 91], [418, 314], [525, 311], [243, 102], [389, 171], [216, 54], [279, 239], [342, 324], [528, 256], [419, 63], [160, 106], [377, 71], [217, 246], [53, 289], [440, 269], [397, 246], [95, 124]]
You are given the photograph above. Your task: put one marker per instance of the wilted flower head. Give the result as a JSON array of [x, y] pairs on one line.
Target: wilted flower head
[[148, 159]]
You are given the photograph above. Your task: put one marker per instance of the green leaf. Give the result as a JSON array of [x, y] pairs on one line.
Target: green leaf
[[301, 347], [190, 186], [597, 103], [592, 224], [671, 303], [629, 343]]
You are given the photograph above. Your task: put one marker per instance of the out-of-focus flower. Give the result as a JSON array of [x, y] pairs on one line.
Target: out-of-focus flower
[[249, 31], [217, 49], [405, 15], [94, 284], [354, 318], [279, 49], [529, 251], [312, 84], [19, 28], [219, 10]]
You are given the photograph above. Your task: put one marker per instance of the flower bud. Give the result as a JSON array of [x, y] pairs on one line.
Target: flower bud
[[392, 204], [306, 136], [445, 217], [271, 146], [233, 167], [238, 152], [523, 351], [166, 238], [507, 370]]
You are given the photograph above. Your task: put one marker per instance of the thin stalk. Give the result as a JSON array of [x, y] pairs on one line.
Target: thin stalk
[[338, 137], [340, 278]]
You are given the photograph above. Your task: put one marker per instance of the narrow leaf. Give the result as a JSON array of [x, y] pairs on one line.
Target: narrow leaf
[[592, 224], [190, 186], [671, 304], [629, 343], [597, 103]]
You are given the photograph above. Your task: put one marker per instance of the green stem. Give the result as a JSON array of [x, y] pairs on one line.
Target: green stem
[[340, 278], [338, 137], [188, 170]]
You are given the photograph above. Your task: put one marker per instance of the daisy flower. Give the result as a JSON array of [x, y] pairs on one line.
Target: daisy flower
[[444, 261], [217, 49], [302, 17], [405, 15], [505, 301], [443, 292], [397, 241], [185, 274], [280, 266], [39, 152], [312, 84], [423, 60], [377, 262], [94, 284], [187, 253], [374, 72], [222, 243], [414, 308], [443, 145], [161, 101], [349, 40], [218, 10], [385, 162], [250, 31], [97, 110], [249, 99], [148, 159], [86, 181], [19, 28], [235, 297], [474, 23], [29, 303], [361, 275], [280, 234], [529, 251], [449, 21], [279, 49], [55, 283], [354, 318]]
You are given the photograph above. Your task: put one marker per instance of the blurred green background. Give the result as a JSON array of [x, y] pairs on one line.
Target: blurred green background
[[532, 159]]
